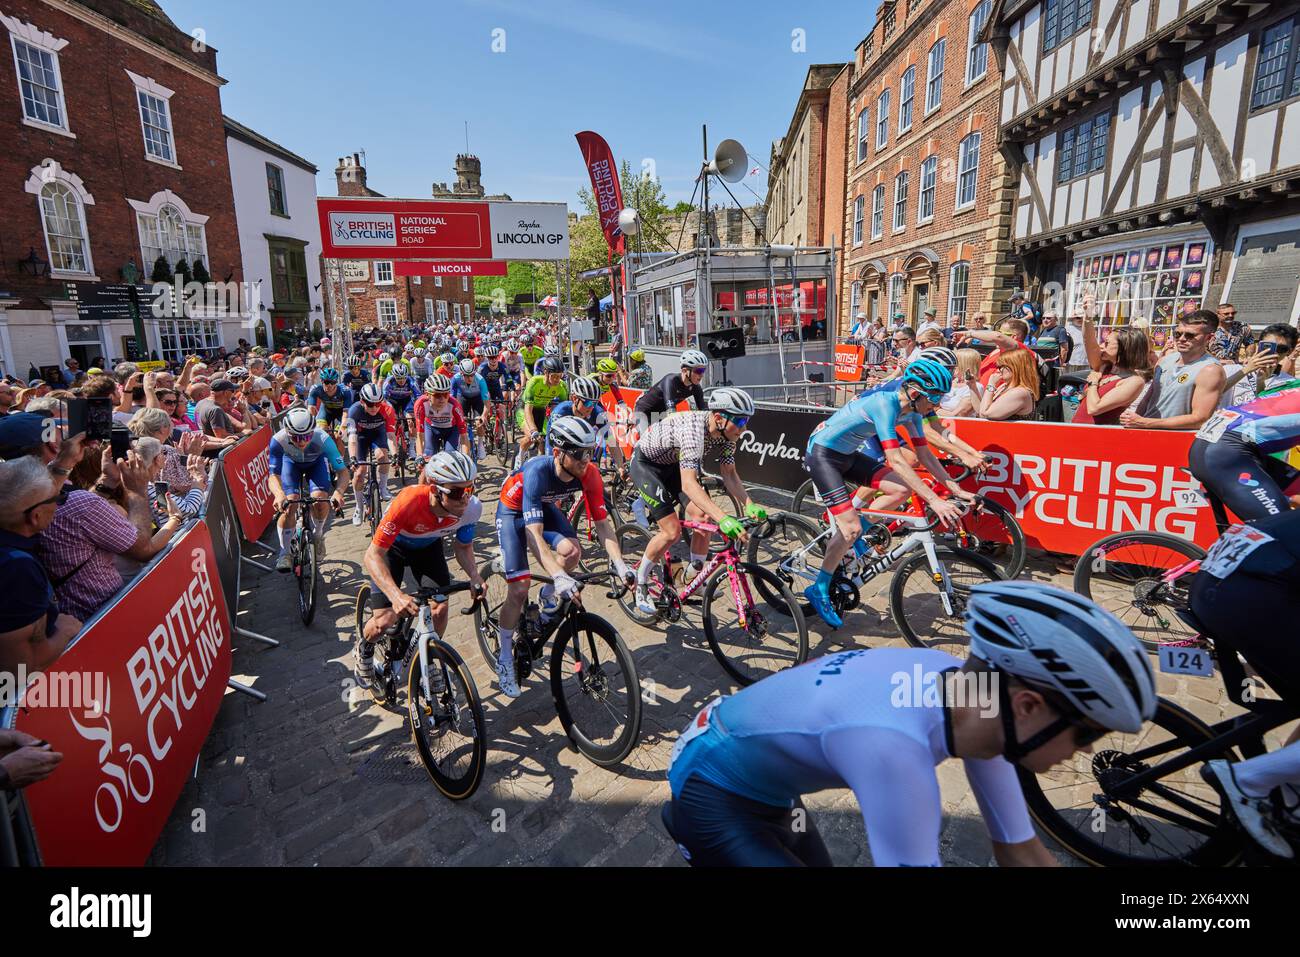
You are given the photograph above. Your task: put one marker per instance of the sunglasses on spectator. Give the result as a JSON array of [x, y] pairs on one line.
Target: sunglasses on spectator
[[168, 401], [1182, 334], [52, 500], [456, 492]]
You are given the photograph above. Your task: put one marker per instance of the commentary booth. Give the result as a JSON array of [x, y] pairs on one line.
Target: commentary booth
[[779, 298]]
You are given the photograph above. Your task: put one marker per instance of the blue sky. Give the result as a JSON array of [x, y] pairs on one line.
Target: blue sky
[[398, 79]]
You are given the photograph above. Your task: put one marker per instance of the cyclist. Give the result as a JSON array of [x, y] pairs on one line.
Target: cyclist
[[1248, 584], [1064, 672], [543, 390], [501, 382], [410, 537], [399, 392], [330, 403], [421, 364], [674, 389], [510, 359], [872, 420], [607, 377], [445, 363], [529, 354], [356, 376], [372, 424], [471, 390], [665, 466], [584, 402], [1232, 454], [641, 377], [439, 421], [528, 518], [302, 451], [386, 362]]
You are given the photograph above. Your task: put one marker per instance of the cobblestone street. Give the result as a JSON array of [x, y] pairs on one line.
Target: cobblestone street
[[320, 774]]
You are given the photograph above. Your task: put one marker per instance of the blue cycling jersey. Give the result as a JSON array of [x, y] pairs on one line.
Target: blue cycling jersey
[[325, 403], [320, 446], [498, 380], [475, 388], [871, 419], [1271, 423], [596, 416], [354, 380], [400, 397]]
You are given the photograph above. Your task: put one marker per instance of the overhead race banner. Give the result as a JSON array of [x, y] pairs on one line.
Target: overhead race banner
[[246, 467], [442, 229], [129, 705], [403, 268]]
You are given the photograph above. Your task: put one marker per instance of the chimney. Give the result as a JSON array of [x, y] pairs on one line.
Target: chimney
[[350, 176]]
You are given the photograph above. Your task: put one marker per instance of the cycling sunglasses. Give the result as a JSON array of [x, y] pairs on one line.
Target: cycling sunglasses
[[700, 370], [300, 439], [456, 492], [583, 455], [739, 421]]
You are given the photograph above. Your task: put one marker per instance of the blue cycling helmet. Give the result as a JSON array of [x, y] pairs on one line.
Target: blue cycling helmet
[[328, 375], [932, 379]]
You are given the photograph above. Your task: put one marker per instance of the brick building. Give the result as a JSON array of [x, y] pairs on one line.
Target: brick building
[[804, 181], [379, 297], [114, 154], [928, 199]]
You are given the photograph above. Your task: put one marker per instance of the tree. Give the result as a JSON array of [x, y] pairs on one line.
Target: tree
[[682, 208]]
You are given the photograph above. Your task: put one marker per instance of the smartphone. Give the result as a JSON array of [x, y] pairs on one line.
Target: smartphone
[[1268, 348], [121, 440], [99, 419], [160, 490]]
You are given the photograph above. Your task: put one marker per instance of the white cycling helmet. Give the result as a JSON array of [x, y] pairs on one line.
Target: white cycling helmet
[[570, 432], [551, 351], [585, 389], [400, 370], [940, 354], [1061, 642], [731, 401], [299, 422], [694, 358], [237, 373], [467, 367], [437, 383], [450, 467], [370, 393]]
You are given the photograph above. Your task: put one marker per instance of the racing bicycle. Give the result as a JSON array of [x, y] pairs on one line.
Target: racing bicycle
[[984, 529], [302, 553], [753, 630], [594, 680], [369, 501], [931, 581], [442, 701]]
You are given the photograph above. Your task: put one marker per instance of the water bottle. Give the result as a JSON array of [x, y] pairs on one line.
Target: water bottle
[[639, 513]]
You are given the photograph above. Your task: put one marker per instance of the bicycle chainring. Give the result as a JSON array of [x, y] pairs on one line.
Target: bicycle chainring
[[844, 594]]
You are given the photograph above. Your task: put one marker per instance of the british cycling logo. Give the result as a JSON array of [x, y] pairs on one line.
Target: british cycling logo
[[77, 910]]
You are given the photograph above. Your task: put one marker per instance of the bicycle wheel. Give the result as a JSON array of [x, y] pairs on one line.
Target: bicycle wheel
[[1177, 819], [487, 615], [306, 578], [375, 506], [773, 634], [596, 689], [1124, 573], [448, 729], [993, 532], [916, 603], [362, 613], [632, 540], [402, 453]]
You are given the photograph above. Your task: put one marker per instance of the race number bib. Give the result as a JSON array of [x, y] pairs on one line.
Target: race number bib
[[1186, 660], [1219, 423], [697, 728], [1232, 549], [1190, 498]]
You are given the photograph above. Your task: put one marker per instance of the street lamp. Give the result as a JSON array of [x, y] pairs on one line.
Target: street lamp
[[131, 273]]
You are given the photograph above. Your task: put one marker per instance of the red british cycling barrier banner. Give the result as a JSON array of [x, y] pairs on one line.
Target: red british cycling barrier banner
[[136, 697], [622, 421], [848, 362], [247, 468], [1070, 485]]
